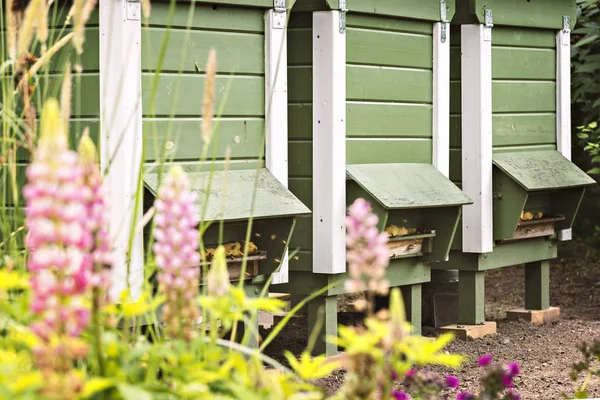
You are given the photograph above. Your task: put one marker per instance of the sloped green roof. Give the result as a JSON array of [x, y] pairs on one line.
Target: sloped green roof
[[404, 186], [541, 170], [230, 195]]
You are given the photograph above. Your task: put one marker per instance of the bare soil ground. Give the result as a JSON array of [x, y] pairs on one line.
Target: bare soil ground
[[545, 353]]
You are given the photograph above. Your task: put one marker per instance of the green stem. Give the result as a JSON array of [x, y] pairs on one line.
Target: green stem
[[98, 331]]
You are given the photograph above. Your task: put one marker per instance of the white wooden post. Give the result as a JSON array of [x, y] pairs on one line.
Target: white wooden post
[[121, 135], [476, 77], [329, 143], [563, 101], [276, 114], [441, 98]]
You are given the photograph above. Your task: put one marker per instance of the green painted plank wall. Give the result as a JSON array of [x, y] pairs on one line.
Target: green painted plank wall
[[300, 130], [85, 105], [172, 125], [389, 89], [523, 92]]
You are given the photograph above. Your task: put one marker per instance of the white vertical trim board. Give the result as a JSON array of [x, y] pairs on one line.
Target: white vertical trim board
[[563, 103], [276, 113], [329, 143], [121, 134], [476, 78], [441, 99]]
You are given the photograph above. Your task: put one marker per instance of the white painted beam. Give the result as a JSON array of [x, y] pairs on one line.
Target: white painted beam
[[329, 143], [476, 78], [563, 103], [121, 135], [276, 156], [441, 98]]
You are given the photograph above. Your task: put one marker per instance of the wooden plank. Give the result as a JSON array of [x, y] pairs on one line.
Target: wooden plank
[[523, 129], [441, 98], [223, 18], [523, 96], [302, 238], [361, 151], [300, 158], [245, 95], [388, 120], [563, 103], [369, 83], [302, 188], [90, 84], [455, 55], [300, 88], [407, 185], [234, 201], [523, 37], [180, 139], [276, 90], [329, 150], [455, 165], [416, 9], [394, 49], [89, 59], [205, 166], [300, 122], [518, 63], [383, 23], [121, 140], [476, 81], [299, 41], [246, 3], [541, 170], [238, 53]]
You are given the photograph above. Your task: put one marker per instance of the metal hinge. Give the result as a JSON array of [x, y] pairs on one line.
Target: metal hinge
[[488, 21], [343, 11], [566, 40], [566, 23], [133, 9], [279, 14], [444, 21]]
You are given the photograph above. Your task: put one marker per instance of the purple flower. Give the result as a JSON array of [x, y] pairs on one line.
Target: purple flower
[[513, 395], [485, 360], [507, 381], [410, 373], [177, 256], [464, 396], [452, 382], [394, 375], [366, 250], [399, 395], [513, 369]]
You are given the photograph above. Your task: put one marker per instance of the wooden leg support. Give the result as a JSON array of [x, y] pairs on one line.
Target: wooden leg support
[[471, 303], [412, 300], [329, 306], [537, 296]]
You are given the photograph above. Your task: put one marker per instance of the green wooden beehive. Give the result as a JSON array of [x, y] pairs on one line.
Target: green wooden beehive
[[238, 181], [510, 143], [367, 94]]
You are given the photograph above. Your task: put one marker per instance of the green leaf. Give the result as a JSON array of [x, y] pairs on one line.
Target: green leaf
[[96, 385], [594, 171], [130, 392], [581, 394]]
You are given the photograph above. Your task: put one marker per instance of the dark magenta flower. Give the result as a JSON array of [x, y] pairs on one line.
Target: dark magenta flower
[[507, 381], [410, 373], [452, 382], [511, 394], [513, 369], [485, 360], [394, 375], [399, 395], [464, 396]]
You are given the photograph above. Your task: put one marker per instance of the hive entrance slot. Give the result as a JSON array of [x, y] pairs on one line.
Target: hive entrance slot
[[411, 245], [234, 265], [535, 228]]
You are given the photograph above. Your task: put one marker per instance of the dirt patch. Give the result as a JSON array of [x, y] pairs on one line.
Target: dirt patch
[[545, 353]]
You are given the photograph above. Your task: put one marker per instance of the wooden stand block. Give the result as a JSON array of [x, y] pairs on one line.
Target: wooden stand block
[[536, 317], [471, 331]]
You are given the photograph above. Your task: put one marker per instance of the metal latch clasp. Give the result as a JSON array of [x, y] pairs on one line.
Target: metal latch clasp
[[444, 21], [279, 14], [343, 11], [133, 10]]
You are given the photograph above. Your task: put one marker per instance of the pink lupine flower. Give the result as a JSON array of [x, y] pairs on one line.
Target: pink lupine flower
[[366, 250], [176, 250], [98, 221], [59, 242]]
